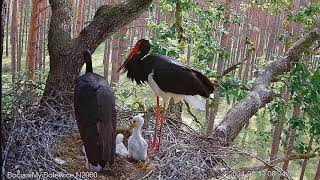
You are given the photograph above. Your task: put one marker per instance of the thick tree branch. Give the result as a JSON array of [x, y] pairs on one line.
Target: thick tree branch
[[269, 164], [261, 94], [108, 19]]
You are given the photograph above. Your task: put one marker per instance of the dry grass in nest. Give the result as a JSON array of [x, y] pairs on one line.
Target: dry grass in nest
[[123, 168]]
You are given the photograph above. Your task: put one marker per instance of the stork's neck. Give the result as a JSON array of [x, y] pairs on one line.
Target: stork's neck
[[140, 56], [137, 131]]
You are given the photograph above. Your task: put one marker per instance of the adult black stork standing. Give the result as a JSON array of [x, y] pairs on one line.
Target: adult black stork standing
[[96, 117], [167, 78]]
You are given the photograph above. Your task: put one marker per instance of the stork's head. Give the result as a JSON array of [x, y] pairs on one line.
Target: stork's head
[[119, 138], [142, 48], [137, 121]]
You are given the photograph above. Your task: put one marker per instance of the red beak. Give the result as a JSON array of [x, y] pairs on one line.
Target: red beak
[[135, 51]]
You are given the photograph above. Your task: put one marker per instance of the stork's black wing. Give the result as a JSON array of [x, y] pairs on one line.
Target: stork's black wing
[[107, 123], [173, 77], [95, 115]]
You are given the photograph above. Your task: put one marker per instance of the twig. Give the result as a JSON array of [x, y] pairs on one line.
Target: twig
[[276, 161], [191, 114]]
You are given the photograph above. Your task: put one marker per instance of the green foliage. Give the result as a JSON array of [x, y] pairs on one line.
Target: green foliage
[[305, 89], [230, 88], [198, 28], [307, 15], [273, 6], [21, 94]]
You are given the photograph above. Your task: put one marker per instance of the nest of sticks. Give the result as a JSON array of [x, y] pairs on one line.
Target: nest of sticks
[[52, 144]]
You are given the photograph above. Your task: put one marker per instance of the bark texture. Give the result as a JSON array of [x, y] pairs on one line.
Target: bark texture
[[13, 38], [32, 41], [66, 53], [261, 94]]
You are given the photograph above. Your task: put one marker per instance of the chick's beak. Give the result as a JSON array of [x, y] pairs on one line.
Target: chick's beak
[[132, 125]]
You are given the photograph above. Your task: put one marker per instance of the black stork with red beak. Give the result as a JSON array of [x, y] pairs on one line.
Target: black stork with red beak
[[167, 78]]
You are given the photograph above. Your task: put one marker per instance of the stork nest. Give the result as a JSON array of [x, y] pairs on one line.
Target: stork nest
[[51, 144]]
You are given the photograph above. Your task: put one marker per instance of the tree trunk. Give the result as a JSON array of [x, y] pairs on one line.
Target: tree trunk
[[74, 19], [277, 135], [66, 54], [25, 22], [317, 176], [7, 27], [114, 60], [20, 41], [305, 162], [2, 16], [44, 27], [32, 41], [292, 136], [41, 37], [224, 43], [13, 38], [80, 17], [106, 59], [121, 50]]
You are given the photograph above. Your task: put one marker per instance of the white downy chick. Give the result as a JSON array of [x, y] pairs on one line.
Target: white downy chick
[[137, 146], [120, 148]]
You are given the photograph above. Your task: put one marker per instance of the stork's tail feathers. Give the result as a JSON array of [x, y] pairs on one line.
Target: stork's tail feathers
[[196, 102], [88, 61], [210, 86]]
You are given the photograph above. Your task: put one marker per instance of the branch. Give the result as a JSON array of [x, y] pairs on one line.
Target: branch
[[108, 19], [261, 94], [192, 115], [233, 67], [270, 164], [250, 49]]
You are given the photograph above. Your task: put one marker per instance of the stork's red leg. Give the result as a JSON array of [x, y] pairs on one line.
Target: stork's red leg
[[162, 125], [155, 137]]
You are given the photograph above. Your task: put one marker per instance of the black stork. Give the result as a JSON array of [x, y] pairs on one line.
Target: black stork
[[167, 78], [96, 117]]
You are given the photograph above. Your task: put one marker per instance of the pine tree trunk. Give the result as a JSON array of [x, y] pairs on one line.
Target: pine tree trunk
[[3, 14], [26, 19], [32, 41], [20, 41], [89, 8], [275, 144], [292, 134], [14, 36], [7, 27], [305, 162], [106, 59], [121, 50], [114, 60], [80, 17], [41, 37], [74, 19], [44, 27], [317, 176], [220, 64]]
